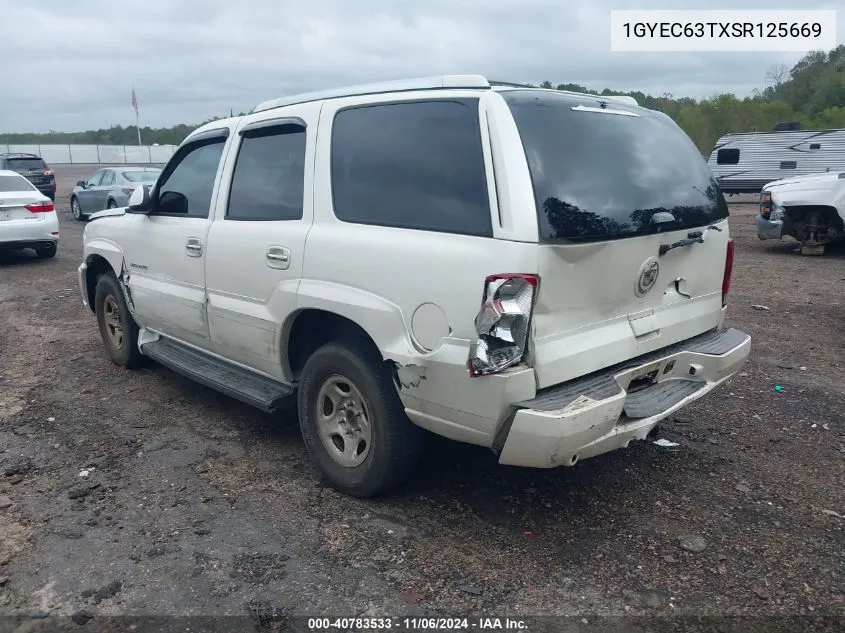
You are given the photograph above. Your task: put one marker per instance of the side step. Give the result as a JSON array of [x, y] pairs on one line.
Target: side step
[[259, 391]]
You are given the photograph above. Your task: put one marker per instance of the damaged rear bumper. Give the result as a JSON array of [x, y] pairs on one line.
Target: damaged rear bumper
[[607, 410]]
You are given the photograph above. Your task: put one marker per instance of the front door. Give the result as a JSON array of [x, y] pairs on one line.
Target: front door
[[87, 195], [166, 255], [256, 246]]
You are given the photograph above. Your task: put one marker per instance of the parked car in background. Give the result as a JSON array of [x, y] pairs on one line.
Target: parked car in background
[[810, 209], [34, 169], [27, 216], [109, 188]]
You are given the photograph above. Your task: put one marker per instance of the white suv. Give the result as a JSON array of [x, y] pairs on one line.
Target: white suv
[[538, 272]]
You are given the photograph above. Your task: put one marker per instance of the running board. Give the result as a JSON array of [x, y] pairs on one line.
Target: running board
[[242, 384]]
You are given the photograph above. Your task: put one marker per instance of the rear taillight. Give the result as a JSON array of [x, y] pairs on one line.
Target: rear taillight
[[47, 172], [40, 207], [127, 190], [503, 323], [765, 204], [729, 268]]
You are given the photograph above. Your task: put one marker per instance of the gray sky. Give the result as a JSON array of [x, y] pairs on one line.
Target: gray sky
[[75, 62]]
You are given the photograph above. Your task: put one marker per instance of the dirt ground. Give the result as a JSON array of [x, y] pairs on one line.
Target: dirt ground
[[195, 504]]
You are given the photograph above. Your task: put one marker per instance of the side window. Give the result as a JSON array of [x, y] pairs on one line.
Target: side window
[[108, 179], [727, 156], [269, 178], [187, 188], [416, 165], [94, 180]]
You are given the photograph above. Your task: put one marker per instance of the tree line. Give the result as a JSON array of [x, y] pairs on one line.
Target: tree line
[[811, 93]]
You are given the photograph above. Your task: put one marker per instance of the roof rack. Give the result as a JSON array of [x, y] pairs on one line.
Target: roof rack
[[401, 85]]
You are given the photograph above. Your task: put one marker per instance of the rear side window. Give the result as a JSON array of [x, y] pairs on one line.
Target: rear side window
[[414, 165], [108, 179], [727, 156], [20, 164], [269, 178], [603, 172], [15, 183]]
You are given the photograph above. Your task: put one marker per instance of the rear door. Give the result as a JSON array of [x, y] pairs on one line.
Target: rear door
[[101, 192], [255, 246], [615, 187]]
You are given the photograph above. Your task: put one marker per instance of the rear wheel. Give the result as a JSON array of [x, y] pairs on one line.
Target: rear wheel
[[352, 421], [76, 209], [46, 251], [112, 205], [117, 327]]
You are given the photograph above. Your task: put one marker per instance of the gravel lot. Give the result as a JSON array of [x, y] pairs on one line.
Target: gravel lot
[[195, 504]]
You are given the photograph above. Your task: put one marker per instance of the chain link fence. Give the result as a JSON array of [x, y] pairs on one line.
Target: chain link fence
[[96, 154]]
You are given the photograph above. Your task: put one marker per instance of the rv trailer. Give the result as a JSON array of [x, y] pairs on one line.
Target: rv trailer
[[745, 163]]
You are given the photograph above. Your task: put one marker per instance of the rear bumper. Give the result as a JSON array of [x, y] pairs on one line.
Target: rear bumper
[[597, 414], [769, 229], [29, 233]]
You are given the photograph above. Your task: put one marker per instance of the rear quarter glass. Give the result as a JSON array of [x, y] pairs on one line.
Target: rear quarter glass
[[598, 175]]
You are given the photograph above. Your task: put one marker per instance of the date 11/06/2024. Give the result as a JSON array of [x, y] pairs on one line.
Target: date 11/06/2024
[[415, 624], [722, 29]]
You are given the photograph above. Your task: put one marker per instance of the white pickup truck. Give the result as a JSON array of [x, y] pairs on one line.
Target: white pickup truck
[[809, 208]]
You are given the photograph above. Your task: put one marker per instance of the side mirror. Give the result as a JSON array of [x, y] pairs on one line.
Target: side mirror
[[80, 183], [139, 200], [172, 202]]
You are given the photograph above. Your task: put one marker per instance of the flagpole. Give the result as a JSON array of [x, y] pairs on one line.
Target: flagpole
[[137, 119]]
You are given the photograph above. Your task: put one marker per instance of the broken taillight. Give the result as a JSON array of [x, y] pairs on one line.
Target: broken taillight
[[503, 323]]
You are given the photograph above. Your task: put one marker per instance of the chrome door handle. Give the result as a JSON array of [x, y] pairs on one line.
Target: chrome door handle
[[193, 247], [278, 257]]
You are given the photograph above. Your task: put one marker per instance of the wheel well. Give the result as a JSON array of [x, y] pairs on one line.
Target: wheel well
[[311, 329], [830, 214], [97, 266]]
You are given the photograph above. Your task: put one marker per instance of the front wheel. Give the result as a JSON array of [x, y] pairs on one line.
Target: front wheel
[[352, 421], [76, 209], [117, 327]]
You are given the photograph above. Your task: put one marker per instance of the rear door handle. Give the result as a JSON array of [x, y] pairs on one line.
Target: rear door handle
[[278, 257], [193, 247]]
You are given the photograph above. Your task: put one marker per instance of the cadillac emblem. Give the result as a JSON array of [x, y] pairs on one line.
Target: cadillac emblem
[[647, 277]]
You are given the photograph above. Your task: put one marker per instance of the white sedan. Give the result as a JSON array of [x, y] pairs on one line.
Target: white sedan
[[27, 217]]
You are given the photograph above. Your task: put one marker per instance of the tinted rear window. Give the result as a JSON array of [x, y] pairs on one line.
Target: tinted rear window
[[140, 176], [599, 175], [25, 163], [414, 165], [15, 183]]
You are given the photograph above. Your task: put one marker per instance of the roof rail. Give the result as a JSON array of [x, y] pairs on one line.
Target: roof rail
[[422, 83]]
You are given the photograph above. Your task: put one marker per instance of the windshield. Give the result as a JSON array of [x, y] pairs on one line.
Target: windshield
[[20, 164], [15, 183], [141, 176], [599, 175]]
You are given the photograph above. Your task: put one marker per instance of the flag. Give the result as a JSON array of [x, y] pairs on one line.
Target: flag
[[134, 101]]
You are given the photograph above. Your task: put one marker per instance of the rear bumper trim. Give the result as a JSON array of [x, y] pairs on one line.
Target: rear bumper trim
[[603, 384], [588, 417]]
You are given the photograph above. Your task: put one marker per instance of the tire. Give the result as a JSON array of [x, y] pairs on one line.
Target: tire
[[76, 209], [395, 443], [111, 204], [46, 251], [108, 303]]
